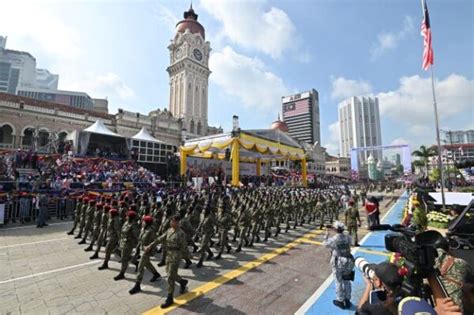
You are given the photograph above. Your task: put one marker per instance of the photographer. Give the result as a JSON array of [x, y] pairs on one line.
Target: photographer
[[385, 300], [342, 263]]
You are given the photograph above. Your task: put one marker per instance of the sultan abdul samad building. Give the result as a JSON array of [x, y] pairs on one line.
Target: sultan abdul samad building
[[24, 119]]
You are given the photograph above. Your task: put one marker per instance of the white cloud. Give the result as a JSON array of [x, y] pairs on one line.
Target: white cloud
[[247, 78], [389, 40], [165, 16], [28, 24], [251, 25], [399, 141], [412, 101], [343, 88], [334, 137], [108, 85]]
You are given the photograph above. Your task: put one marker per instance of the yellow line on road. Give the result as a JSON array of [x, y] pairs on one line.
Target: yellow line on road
[[214, 284]]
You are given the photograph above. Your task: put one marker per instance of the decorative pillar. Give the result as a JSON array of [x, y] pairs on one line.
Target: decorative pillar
[[259, 167], [183, 164], [303, 172], [235, 162]]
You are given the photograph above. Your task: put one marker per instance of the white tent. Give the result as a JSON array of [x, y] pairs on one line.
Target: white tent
[[144, 135], [100, 128]]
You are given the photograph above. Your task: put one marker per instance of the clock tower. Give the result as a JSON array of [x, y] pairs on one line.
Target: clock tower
[[189, 74]]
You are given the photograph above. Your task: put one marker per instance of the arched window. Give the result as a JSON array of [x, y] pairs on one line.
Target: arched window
[[28, 137], [6, 135]]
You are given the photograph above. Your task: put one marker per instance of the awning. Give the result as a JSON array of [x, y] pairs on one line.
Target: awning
[[144, 135], [100, 128]]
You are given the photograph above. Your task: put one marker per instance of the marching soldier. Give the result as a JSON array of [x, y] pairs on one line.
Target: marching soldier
[[103, 231], [113, 233], [175, 242], [97, 226], [206, 229], [128, 241], [77, 215], [89, 221], [147, 236]]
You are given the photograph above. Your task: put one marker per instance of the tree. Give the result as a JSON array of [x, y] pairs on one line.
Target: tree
[[424, 154]]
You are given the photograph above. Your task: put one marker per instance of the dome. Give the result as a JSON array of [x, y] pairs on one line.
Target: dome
[[190, 22], [279, 125]]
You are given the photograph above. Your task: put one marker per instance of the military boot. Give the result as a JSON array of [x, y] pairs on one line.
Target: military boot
[[339, 304], [105, 265], [83, 241], [136, 288], [78, 236], [199, 264], [155, 277], [162, 262], [209, 255], [95, 256], [120, 276], [239, 249], [229, 248], [183, 283], [347, 303], [219, 256], [169, 301], [188, 263], [70, 232], [88, 248]]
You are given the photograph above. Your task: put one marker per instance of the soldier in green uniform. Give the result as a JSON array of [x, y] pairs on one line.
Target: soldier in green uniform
[[113, 233], [77, 215], [89, 221], [103, 231], [97, 226], [224, 223], [205, 230], [245, 221], [82, 223], [188, 230], [175, 242], [147, 236], [352, 221], [128, 241]]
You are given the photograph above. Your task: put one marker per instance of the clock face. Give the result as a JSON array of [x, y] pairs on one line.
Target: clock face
[[197, 54]]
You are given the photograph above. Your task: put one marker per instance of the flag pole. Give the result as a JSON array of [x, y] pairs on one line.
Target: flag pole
[[440, 161]]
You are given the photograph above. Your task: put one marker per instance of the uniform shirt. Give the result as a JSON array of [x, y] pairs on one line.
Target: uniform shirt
[[339, 245]]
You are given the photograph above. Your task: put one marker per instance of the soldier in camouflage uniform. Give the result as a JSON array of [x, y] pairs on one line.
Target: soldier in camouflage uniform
[[175, 242], [97, 226], [342, 264], [113, 233], [77, 215], [103, 231], [128, 241], [83, 219], [147, 236], [224, 223], [352, 221], [205, 230], [89, 221], [245, 222], [165, 225], [185, 225]]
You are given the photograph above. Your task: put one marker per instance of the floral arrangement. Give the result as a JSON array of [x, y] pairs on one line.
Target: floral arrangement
[[439, 219], [399, 260]]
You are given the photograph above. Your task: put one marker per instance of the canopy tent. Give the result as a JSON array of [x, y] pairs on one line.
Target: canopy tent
[[98, 137], [144, 135], [254, 146]]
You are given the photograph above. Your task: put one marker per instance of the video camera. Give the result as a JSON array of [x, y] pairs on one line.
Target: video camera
[[419, 252]]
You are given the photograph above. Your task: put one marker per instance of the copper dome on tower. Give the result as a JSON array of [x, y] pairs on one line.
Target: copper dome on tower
[[190, 22], [279, 125]]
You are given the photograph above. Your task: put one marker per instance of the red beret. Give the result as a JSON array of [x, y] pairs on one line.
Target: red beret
[[91, 201], [131, 214], [100, 205], [148, 219], [114, 212], [107, 208]]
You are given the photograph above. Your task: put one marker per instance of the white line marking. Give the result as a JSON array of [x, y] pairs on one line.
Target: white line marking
[[313, 298], [31, 226], [31, 243], [48, 272]]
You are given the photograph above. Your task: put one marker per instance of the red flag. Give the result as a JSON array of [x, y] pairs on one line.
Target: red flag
[[428, 56]]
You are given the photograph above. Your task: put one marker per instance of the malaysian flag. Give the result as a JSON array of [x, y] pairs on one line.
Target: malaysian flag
[[296, 108], [428, 56]]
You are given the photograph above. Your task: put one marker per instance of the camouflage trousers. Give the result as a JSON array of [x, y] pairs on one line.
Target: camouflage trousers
[[343, 287], [352, 230], [172, 265], [126, 256], [145, 263], [109, 248]]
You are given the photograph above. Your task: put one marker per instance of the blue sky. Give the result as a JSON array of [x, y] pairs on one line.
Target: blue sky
[[262, 50]]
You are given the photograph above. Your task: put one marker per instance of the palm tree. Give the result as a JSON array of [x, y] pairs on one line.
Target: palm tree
[[424, 154]]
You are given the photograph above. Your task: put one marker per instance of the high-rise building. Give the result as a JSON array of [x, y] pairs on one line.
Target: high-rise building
[[76, 99], [301, 115], [359, 126], [189, 74], [46, 80], [17, 69], [460, 136]]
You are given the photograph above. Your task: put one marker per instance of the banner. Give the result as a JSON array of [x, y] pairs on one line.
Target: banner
[[198, 167]]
